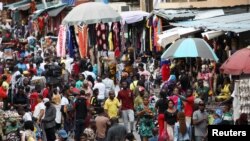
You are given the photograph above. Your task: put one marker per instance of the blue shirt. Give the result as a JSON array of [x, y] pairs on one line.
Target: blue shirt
[[217, 121], [178, 136]]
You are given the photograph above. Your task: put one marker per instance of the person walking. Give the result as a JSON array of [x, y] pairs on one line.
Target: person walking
[[182, 129], [116, 132], [200, 121], [81, 111], [101, 125], [145, 114], [126, 98], [48, 121], [112, 105], [161, 106], [170, 118]]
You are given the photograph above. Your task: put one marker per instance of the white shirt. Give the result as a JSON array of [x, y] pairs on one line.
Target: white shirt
[[109, 85], [86, 73], [13, 78], [27, 116], [64, 101], [101, 87], [58, 114], [40, 106]]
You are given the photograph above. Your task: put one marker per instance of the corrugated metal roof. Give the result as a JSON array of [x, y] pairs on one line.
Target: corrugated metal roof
[[236, 23], [174, 14]]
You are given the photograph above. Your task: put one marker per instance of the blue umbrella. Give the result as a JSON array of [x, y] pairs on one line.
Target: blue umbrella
[[190, 47]]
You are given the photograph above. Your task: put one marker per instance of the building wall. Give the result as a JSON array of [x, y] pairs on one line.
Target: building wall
[[173, 4]]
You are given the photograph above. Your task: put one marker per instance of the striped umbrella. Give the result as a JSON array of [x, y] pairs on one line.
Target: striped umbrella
[[190, 47]]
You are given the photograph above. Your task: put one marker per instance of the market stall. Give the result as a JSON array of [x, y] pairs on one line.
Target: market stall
[[238, 64], [88, 32]]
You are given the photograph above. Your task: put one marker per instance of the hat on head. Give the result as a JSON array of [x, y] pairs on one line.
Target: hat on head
[[45, 100], [62, 133]]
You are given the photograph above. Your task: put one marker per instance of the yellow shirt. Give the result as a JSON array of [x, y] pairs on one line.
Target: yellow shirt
[[112, 107], [133, 85]]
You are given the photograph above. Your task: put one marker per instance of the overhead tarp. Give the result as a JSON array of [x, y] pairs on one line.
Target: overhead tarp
[[173, 34], [174, 14], [53, 9], [209, 14], [21, 7], [212, 34], [16, 5], [56, 11], [235, 23], [130, 17]]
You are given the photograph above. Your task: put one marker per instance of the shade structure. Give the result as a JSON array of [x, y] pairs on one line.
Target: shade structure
[[91, 13], [173, 34], [190, 47], [131, 17], [238, 63]]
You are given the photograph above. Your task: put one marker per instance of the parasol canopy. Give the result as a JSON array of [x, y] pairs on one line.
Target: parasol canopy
[[238, 63], [91, 13], [190, 47]]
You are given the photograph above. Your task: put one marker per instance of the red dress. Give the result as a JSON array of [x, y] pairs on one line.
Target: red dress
[[33, 100]]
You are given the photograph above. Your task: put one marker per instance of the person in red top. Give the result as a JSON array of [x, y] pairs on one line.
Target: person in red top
[[32, 69], [188, 104], [46, 91], [126, 97], [33, 99]]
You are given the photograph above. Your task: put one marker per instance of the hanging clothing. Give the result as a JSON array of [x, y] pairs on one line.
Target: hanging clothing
[[101, 36], [111, 45], [123, 39], [41, 24], [92, 35], [60, 47], [69, 44], [116, 29], [83, 40], [32, 7], [157, 29], [149, 25]]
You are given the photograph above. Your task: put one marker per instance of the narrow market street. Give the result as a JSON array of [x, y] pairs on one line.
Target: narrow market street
[[124, 70]]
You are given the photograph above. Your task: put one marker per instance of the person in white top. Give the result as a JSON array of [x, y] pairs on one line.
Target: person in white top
[[109, 84], [64, 103], [39, 111], [101, 87]]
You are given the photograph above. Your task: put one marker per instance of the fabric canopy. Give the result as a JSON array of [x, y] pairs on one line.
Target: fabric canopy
[[130, 17], [173, 34], [91, 13]]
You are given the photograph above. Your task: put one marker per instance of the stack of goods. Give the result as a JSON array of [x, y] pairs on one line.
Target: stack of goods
[[244, 96]]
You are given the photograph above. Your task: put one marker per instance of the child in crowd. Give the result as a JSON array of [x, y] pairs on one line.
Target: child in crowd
[[90, 131]]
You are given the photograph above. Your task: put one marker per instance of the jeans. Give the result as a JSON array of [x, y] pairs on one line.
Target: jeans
[[79, 125], [50, 134]]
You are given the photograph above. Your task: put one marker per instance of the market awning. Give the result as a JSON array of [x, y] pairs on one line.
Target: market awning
[[235, 23], [212, 34], [173, 34], [56, 11], [21, 5], [53, 10], [130, 17], [173, 15]]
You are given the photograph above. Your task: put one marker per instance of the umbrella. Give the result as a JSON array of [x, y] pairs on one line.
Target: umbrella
[[238, 63], [91, 13], [190, 47]]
